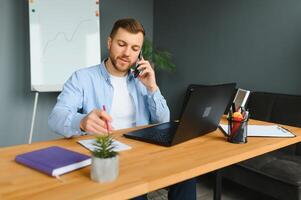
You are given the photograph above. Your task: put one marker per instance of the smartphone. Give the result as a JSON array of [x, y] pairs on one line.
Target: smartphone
[[136, 71], [240, 99]]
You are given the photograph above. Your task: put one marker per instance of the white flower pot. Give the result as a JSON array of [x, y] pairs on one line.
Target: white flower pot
[[104, 169]]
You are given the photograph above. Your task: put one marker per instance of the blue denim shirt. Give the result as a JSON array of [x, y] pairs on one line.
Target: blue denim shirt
[[91, 88]]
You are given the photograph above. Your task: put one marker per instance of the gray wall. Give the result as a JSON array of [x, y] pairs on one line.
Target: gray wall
[[16, 100], [254, 43]]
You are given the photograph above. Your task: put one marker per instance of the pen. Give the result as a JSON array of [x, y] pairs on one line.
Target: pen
[[242, 110], [106, 121], [246, 116]]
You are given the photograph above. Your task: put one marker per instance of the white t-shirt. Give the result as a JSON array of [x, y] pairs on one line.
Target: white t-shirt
[[123, 107]]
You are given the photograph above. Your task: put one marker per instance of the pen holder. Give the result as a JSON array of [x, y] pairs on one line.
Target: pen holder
[[237, 130]]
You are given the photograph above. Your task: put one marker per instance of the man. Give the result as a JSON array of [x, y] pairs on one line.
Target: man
[[109, 92]]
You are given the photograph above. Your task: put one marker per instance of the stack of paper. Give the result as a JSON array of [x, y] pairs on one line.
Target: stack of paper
[[263, 131], [118, 146]]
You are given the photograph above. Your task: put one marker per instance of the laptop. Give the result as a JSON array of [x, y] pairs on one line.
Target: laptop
[[202, 112]]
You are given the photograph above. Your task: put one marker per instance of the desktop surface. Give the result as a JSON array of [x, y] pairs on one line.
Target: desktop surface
[[144, 168]]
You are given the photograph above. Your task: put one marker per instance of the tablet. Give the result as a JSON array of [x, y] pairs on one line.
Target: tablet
[[241, 98]]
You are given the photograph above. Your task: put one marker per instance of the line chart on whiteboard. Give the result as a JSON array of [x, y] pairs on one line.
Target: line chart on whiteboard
[[64, 37]]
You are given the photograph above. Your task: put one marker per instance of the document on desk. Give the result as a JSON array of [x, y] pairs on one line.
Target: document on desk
[[118, 146], [263, 131]]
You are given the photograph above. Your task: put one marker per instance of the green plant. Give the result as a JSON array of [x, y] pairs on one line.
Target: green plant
[[104, 147], [160, 59]]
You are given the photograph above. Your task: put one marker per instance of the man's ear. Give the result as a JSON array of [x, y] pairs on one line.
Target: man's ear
[[109, 42]]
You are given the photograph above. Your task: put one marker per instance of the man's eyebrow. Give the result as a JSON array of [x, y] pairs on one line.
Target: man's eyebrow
[[133, 46], [121, 41], [136, 46]]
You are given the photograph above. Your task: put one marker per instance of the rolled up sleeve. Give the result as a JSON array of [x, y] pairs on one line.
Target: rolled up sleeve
[[158, 107], [64, 118]]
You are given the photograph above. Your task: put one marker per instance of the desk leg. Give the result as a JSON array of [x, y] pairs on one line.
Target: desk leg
[[218, 185]]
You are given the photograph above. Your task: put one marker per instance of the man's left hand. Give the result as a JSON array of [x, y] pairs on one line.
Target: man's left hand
[[147, 75]]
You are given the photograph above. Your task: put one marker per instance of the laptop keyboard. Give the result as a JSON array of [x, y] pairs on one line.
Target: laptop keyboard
[[162, 136]]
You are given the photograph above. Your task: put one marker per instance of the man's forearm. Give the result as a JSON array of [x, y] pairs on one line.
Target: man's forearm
[[65, 122]]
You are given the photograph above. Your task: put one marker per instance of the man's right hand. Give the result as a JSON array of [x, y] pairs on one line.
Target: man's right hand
[[95, 122]]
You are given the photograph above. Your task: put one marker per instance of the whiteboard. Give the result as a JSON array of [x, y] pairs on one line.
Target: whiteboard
[[64, 37]]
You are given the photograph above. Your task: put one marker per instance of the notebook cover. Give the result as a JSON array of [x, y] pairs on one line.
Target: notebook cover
[[48, 159]]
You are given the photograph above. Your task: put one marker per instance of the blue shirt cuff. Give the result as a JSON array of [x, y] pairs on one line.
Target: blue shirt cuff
[[154, 98], [154, 94]]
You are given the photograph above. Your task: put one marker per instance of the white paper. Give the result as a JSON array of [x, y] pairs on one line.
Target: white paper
[[118, 146], [263, 131]]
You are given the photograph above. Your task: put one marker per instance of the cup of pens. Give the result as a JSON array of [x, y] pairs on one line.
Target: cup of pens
[[238, 127]]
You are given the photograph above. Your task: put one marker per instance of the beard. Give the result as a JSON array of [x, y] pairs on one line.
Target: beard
[[120, 66]]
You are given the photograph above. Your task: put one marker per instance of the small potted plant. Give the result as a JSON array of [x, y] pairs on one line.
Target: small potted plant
[[105, 162]]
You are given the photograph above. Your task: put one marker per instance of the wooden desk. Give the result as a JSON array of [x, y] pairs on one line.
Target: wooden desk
[[144, 168]]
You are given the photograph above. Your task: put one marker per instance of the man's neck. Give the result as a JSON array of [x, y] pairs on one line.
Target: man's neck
[[112, 70]]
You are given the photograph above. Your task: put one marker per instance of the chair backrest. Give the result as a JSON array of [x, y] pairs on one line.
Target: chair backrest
[[278, 108], [287, 110], [260, 105]]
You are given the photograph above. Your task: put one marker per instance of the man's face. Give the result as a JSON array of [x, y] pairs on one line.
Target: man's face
[[124, 49]]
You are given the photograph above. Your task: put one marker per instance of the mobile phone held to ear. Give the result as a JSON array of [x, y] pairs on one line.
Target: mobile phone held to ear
[[136, 71]]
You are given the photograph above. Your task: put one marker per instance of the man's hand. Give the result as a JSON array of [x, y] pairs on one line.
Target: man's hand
[[147, 75], [95, 122]]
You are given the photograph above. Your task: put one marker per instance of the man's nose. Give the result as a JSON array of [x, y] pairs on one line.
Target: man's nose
[[127, 51]]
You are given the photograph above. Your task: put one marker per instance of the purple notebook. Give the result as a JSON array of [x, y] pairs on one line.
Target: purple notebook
[[54, 160]]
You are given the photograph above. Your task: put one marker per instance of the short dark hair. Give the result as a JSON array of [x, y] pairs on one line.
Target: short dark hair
[[129, 24]]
